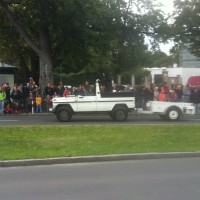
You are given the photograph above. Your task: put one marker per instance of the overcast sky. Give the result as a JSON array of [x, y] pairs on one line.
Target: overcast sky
[[167, 5], [168, 9]]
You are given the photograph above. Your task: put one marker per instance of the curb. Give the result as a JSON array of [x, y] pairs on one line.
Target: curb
[[104, 158]]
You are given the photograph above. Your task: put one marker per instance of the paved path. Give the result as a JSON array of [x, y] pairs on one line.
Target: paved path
[[103, 158]]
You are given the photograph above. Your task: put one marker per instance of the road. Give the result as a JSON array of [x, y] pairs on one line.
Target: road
[[50, 119], [164, 179]]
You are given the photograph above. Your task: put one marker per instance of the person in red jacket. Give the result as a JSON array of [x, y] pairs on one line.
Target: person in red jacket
[[162, 95], [166, 88], [66, 92]]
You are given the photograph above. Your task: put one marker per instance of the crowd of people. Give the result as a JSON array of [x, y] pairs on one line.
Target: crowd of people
[[29, 98], [20, 98]]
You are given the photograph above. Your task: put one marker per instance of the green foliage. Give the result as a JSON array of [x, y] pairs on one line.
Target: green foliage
[[91, 36], [187, 23], [160, 59], [75, 79]]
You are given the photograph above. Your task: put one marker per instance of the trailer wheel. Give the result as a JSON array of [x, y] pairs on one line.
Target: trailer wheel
[[173, 114], [119, 114], [63, 114]]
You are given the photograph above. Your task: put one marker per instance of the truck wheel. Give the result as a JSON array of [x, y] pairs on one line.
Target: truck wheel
[[63, 114], [173, 114], [119, 114]]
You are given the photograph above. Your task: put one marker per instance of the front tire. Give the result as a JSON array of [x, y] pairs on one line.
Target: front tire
[[63, 114], [119, 114]]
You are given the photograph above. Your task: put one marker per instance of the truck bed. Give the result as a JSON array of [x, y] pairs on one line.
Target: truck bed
[[117, 94]]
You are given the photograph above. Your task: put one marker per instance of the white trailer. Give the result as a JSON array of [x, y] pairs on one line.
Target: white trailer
[[168, 110]]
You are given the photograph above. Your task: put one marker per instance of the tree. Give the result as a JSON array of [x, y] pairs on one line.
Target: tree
[[187, 23], [79, 35], [35, 34], [132, 22], [160, 59]]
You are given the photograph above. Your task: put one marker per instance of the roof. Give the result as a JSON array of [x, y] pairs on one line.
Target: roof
[[7, 69]]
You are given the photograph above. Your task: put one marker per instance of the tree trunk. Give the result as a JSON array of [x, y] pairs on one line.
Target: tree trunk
[[43, 50], [35, 68], [46, 67], [46, 64]]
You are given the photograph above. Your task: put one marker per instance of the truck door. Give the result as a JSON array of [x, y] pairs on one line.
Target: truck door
[[86, 104]]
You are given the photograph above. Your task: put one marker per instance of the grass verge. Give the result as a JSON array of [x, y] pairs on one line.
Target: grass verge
[[24, 142]]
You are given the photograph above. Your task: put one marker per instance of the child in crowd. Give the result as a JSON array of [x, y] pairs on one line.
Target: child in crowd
[[38, 103], [8, 109], [48, 103], [29, 103], [156, 94]]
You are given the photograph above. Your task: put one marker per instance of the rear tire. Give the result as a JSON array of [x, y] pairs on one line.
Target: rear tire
[[63, 114], [119, 114]]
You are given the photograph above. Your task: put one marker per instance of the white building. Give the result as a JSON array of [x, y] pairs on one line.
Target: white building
[[175, 75]]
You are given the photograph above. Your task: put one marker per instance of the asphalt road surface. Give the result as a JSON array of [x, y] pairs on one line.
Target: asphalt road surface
[[163, 179], [87, 119]]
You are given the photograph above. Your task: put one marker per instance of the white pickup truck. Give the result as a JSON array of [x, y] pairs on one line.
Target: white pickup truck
[[117, 105]]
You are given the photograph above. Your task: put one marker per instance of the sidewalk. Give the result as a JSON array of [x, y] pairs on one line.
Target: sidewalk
[[28, 114], [103, 158]]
